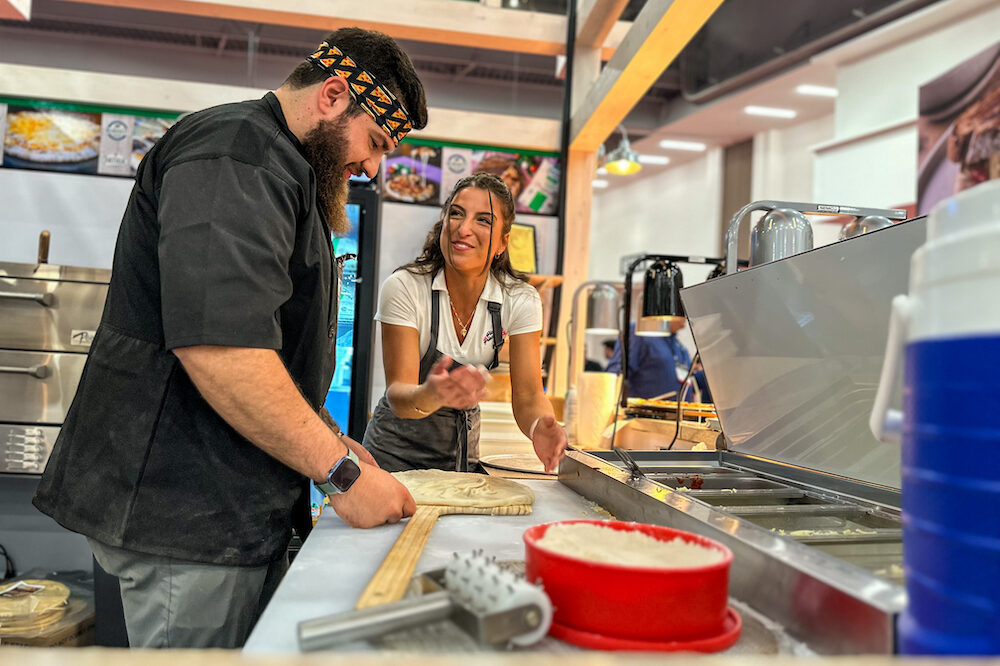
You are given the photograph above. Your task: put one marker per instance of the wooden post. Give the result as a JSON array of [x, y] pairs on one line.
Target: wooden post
[[600, 101], [580, 167], [576, 258]]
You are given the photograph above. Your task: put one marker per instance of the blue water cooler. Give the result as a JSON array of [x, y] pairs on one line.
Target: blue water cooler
[[944, 338]]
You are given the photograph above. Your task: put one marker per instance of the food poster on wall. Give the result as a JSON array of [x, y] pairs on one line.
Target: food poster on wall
[[51, 139], [959, 129], [116, 144], [146, 133], [54, 136], [413, 174], [426, 174], [533, 180], [3, 125]]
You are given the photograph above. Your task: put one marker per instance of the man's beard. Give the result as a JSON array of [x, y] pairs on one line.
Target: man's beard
[[325, 147]]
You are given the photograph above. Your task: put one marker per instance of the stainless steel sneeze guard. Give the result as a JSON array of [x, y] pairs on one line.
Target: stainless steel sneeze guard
[[793, 352], [805, 497], [808, 585]]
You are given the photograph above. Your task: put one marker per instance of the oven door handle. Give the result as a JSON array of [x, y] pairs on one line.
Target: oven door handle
[[38, 371], [45, 299]]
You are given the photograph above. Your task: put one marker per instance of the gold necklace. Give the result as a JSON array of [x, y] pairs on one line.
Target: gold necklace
[[464, 326]]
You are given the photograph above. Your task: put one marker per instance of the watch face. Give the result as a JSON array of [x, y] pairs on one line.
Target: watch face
[[345, 474]]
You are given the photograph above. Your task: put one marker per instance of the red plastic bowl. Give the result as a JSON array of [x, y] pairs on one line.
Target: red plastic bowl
[[644, 603]]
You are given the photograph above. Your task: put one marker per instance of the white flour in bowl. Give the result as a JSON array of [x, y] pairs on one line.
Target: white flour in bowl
[[604, 544]]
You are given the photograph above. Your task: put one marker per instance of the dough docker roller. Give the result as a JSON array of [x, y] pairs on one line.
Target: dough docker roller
[[491, 604]]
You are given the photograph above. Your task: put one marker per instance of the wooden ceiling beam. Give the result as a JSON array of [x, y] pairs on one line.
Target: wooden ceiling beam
[[658, 34], [469, 24], [596, 20]]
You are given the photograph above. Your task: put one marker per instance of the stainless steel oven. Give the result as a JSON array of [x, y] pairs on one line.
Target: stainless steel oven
[[48, 317]]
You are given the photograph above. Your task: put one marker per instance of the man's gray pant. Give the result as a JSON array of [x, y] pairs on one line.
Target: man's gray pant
[[171, 603]]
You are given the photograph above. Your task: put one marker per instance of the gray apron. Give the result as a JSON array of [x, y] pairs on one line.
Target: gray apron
[[446, 439]]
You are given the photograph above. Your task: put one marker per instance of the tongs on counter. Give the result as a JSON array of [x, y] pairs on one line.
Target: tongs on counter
[[630, 464]]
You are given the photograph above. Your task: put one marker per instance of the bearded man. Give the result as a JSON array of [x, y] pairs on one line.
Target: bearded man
[[195, 429]]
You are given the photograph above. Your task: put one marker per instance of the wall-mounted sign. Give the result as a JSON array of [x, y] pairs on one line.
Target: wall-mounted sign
[[425, 172], [959, 129], [77, 138]]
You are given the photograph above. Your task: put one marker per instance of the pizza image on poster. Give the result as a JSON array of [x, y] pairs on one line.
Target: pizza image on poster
[[413, 174], [146, 133], [52, 139]]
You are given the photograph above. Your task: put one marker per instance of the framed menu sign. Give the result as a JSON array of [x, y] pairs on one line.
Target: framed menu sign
[[522, 249]]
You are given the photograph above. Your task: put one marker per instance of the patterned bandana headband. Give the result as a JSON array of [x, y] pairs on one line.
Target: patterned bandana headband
[[387, 111]]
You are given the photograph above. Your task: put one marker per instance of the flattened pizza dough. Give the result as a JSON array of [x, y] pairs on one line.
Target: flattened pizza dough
[[435, 486]]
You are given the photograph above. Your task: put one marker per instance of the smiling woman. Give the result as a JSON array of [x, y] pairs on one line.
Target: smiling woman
[[445, 316]]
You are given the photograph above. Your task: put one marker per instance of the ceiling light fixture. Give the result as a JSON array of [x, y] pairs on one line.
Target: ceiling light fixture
[[601, 171], [659, 160], [674, 144], [817, 91], [769, 111], [623, 161], [599, 184]]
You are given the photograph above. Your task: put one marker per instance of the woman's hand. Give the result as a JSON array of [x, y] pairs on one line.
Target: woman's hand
[[461, 388], [549, 440]]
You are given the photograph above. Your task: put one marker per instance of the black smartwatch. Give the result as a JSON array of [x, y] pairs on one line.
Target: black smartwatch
[[342, 475]]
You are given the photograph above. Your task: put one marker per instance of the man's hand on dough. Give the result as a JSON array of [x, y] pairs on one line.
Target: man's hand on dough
[[375, 498]]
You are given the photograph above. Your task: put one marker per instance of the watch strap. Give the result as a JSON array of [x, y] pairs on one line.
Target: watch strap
[[327, 487]]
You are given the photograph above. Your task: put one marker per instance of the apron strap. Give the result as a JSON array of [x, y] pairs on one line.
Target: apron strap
[[494, 309], [435, 318], [431, 355]]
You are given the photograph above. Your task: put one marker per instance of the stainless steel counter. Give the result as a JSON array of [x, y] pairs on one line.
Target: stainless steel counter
[[336, 562]]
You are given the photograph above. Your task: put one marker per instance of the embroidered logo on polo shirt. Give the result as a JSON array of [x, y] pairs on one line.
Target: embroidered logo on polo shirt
[[489, 335]]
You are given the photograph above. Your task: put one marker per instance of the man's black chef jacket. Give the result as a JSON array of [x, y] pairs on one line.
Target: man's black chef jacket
[[221, 244]]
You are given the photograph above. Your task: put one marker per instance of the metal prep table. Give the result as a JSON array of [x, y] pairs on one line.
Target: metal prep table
[[336, 562]]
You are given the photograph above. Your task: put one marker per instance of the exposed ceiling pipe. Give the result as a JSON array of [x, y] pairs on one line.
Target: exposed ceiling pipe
[[253, 38], [791, 58]]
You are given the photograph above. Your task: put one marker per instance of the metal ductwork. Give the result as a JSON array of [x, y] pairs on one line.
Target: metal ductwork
[[749, 40]]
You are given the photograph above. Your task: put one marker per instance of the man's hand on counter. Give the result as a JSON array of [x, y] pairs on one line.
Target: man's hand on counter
[[549, 440], [375, 498]]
